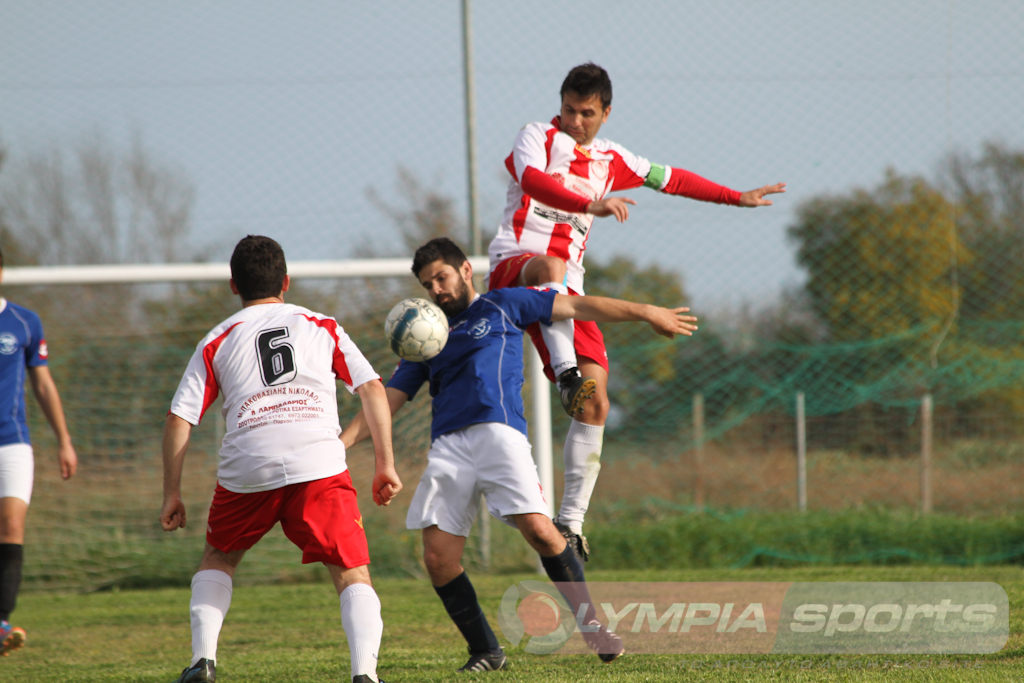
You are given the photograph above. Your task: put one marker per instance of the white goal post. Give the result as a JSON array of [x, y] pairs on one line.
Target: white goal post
[[540, 428]]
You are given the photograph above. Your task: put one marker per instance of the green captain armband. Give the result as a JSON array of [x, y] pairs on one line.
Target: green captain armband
[[656, 178]]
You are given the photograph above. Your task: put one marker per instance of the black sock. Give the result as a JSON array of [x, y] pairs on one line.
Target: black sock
[[11, 558], [459, 599], [566, 571]]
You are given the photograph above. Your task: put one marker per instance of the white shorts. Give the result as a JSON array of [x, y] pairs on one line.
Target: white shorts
[[489, 458], [16, 471]]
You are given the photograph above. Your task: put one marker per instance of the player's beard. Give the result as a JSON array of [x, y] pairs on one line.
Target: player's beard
[[458, 302]]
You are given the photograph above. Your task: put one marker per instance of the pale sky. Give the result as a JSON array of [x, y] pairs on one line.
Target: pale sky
[[283, 114]]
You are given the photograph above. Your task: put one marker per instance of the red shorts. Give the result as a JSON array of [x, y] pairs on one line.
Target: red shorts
[[320, 517], [587, 337]]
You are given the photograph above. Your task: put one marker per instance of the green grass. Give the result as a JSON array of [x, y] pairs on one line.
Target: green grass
[[656, 534], [663, 535], [292, 632]]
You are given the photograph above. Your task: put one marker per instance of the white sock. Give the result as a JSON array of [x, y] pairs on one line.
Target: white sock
[[360, 617], [211, 598], [558, 336], [582, 461]]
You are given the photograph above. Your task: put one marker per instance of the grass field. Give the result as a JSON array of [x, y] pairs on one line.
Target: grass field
[[86, 535], [292, 632]]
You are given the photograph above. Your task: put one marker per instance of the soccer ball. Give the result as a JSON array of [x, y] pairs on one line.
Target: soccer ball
[[416, 329]]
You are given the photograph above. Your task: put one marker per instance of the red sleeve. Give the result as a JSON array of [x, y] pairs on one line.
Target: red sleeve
[[544, 188], [687, 184]]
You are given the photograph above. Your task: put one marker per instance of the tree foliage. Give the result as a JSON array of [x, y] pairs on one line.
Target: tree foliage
[[881, 262], [93, 204], [989, 190], [419, 212], [919, 280]]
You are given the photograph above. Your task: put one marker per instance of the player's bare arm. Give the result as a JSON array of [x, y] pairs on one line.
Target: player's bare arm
[[757, 197], [358, 429], [46, 394], [377, 414], [667, 322], [177, 433]]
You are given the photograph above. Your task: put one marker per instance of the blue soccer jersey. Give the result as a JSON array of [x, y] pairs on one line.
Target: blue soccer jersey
[[21, 346], [478, 376]]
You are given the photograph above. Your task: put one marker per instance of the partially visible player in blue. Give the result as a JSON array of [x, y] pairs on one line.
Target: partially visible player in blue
[[22, 352], [479, 440]]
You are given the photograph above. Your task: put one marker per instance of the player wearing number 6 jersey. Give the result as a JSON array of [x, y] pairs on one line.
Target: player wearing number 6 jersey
[[281, 460], [561, 176]]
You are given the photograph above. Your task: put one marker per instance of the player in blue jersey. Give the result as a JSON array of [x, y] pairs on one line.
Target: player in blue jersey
[[22, 353], [479, 440]]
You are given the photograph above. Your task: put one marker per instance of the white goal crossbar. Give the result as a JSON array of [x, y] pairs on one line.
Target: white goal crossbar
[[199, 272]]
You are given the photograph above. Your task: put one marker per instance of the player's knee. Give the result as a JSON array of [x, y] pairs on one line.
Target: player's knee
[[596, 409], [441, 566], [12, 531], [345, 577], [540, 533], [543, 269]]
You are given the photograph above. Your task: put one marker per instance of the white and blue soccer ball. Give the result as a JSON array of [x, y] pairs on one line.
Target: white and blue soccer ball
[[416, 329]]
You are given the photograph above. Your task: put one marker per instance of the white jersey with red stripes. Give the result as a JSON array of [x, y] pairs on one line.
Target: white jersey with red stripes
[[277, 366], [531, 227]]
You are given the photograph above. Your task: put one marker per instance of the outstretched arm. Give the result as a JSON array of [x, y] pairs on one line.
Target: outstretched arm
[[377, 421], [683, 183], [46, 394], [177, 433], [667, 322], [359, 429]]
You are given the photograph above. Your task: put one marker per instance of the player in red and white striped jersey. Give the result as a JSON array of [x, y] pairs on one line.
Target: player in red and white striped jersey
[[281, 459], [561, 176]]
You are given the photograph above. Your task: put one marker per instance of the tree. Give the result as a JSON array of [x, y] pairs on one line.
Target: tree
[[91, 204], [989, 187], [12, 249], [919, 283], [990, 190], [881, 262], [422, 215], [95, 204]]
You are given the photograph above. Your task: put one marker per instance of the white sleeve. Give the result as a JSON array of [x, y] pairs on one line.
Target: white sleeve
[[529, 148], [189, 402], [359, 370]]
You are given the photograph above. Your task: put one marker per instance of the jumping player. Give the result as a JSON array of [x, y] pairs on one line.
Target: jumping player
[[478, 436], [22, 352], [281, 459], [561, 174]]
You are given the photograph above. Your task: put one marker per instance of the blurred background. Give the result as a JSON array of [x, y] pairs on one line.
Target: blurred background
[[886, 279]]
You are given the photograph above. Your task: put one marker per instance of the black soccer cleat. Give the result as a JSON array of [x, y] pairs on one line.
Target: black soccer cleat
[[364, 678], [605, 643], [203, 671], [574, 390], [485, 661], [578, 542]]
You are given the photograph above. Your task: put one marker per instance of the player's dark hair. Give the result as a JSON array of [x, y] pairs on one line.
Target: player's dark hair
[[258, 267], [1, 258], [438, 248], [586, 80]]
